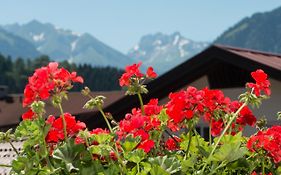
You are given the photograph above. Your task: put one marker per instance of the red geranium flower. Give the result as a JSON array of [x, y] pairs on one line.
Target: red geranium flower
[[146, 145], [172, 143], [130, 71], [262, 83], [150, 73], [48, 80], [29, 115], [56, 132], [268, 140]]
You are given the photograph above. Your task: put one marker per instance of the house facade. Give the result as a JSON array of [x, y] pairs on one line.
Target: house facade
[[217, 67]]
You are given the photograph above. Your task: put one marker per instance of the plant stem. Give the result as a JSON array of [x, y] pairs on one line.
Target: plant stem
[[46, 152], [196, 136], [63, 121], [210, 132], [111, 131], [16, 151], [189, 143], [105, 118], [123, 166], [86, 140], [222, 134], [46, 149], [141, 103], [262, 165], [138, 167], [158, 143], [253, 155], [218, 167], [8, 166]]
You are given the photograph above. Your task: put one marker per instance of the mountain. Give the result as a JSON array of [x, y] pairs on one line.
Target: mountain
[[61, 44], [163, 51], [261, 31], [14, 46]]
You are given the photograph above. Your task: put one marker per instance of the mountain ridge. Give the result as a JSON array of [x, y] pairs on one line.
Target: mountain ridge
[[62, 44], [261, 31], [167, 49], [14, 46]]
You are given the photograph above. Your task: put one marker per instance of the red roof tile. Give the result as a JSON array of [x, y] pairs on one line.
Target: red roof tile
[[10, 113]]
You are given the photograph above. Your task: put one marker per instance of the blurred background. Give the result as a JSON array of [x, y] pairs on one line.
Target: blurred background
[[98, 38]]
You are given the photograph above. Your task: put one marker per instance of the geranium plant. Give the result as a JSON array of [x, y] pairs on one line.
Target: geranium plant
[[152, 139]]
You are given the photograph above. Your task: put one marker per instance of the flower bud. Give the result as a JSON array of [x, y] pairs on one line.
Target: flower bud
[[38, 107], [86, 91]]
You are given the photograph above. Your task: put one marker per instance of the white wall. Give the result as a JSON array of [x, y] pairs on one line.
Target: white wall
[[269, 107]]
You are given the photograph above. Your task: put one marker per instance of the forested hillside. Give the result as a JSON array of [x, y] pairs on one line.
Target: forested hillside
[[14, 74], [262, 31]]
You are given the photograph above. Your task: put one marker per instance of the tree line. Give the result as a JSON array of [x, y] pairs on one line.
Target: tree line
[[15, 73]]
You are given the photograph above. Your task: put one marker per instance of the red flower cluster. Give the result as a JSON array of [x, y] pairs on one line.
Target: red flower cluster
[[172, 144], [269, 141], [132, 71], [184, 105], [216, 105], [48, 80], [245, 117], [150, 73], [29, 115], [139, 125], [99, 131], [262, 83], [56, 132]]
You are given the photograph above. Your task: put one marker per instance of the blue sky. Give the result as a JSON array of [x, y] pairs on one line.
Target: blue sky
[[121, 23]]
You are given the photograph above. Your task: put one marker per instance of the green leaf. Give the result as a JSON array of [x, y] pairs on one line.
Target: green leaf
[[102, 138], [135, 156], [19, 164], [113, 169], [230, 149], [198, 145], [101, 149], [68, 153], [95, 149], [146, 167], [94, 167], [133, 171], [163, 117], [170, 165], [130, 143], [188, 164], [239, 164], [30, 131], [157, 170]]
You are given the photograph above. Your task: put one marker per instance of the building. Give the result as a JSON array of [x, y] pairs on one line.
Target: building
[[217, 67], [11, 107]]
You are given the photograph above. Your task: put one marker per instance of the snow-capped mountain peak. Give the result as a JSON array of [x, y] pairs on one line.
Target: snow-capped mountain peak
[[165, 51], [38, 38]]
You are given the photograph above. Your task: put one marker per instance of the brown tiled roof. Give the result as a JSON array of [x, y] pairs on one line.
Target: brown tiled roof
[[10, 113], [194, 68], [270, 59]]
